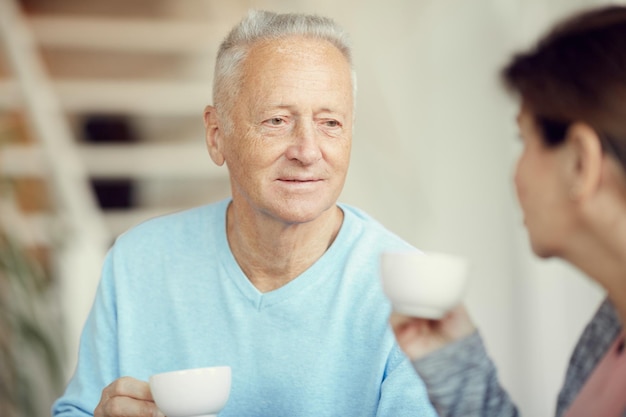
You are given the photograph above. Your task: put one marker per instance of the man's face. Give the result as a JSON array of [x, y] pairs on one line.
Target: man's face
[[289, 148]]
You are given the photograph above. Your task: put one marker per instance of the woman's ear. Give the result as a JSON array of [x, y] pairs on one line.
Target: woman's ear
[[587, 159], [213, 135]]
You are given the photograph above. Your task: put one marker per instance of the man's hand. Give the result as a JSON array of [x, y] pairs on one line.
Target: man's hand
[[127, 397], [418, 337]]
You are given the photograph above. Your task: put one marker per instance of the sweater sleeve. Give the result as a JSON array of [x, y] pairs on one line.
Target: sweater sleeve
[[462, 380], [402, 393], [97, 361]]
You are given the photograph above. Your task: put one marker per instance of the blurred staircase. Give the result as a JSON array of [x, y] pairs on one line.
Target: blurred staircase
[[69, 65], [153, 68]]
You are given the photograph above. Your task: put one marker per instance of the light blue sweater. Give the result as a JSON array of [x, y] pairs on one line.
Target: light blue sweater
[[172, 296]]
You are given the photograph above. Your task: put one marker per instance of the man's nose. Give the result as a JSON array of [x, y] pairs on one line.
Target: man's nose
[[305, 146]]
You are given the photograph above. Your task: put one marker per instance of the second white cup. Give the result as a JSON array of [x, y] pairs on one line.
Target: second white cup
[[423, 284]]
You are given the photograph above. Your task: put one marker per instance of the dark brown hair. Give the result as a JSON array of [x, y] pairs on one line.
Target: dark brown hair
[[577, 73]]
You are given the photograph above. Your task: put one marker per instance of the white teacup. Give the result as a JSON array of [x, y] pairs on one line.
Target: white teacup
[[423, 284], [198, 392]]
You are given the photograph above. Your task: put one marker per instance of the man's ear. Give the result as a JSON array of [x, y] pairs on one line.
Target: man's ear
[[587, 158], [213, 135]]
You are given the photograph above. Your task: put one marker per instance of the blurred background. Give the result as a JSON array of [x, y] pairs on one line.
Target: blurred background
[[101, 127]]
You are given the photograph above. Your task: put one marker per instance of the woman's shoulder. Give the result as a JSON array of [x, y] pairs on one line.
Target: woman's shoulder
[[594, 342]]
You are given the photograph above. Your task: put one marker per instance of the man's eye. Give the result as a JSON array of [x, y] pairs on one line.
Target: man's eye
[[332, 123], [276, 121]]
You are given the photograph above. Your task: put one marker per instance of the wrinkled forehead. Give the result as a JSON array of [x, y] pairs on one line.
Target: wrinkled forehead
[[296, 48], [296, 63]]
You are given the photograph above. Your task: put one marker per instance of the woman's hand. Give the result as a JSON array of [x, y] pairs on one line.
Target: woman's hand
[[418, 337], [127, 397]]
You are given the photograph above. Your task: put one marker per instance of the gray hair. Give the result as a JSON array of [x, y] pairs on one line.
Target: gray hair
[[259, 25]]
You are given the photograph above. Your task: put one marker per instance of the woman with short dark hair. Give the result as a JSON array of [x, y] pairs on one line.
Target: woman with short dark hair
[[571, 185]]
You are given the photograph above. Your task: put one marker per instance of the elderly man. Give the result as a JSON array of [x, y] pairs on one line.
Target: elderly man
[[280, 281]]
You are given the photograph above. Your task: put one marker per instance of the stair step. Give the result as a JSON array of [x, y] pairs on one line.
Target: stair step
[[128, 34], [186, 160], [134, 97], [41, 228]]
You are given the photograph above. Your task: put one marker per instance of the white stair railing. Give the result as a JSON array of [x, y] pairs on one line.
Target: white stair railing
[[85, 236]]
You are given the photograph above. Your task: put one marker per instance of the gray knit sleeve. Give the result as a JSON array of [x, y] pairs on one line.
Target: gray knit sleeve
[[462, 381]]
